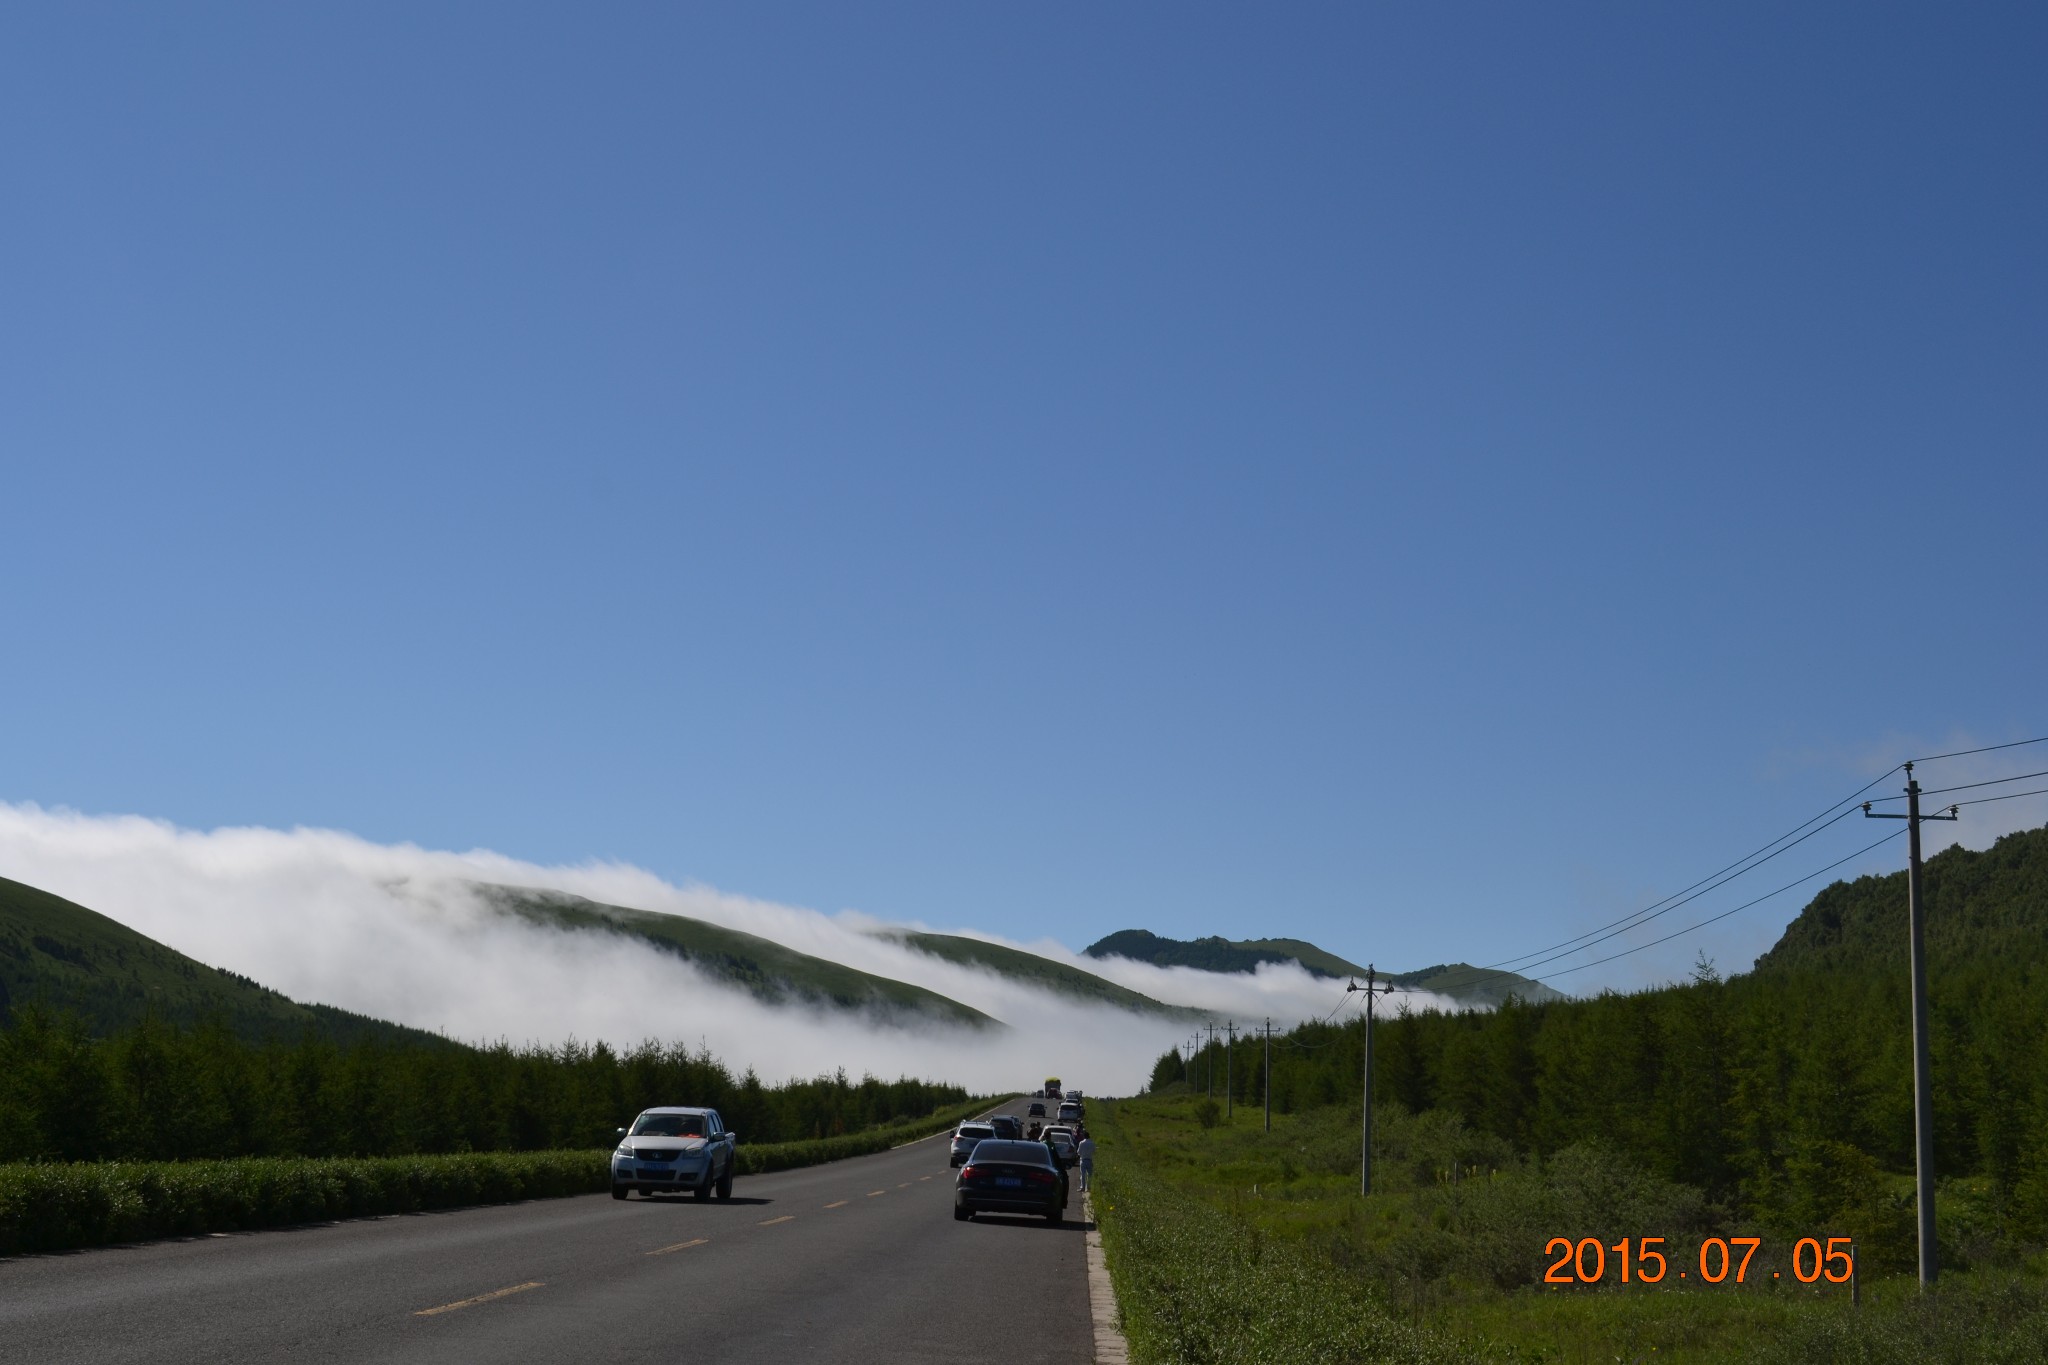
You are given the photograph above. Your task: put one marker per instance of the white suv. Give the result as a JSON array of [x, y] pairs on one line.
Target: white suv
[[967, 1135], [674, 1149]]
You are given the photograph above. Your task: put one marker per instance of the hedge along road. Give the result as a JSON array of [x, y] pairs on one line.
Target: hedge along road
[[852, 1261]]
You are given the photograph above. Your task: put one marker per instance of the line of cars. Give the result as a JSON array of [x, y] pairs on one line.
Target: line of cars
[[1008, 1165]]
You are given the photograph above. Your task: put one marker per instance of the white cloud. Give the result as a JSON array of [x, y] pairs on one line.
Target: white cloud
[[393, 931]]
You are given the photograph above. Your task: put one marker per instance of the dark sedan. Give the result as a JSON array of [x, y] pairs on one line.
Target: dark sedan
[[1011, 1177]]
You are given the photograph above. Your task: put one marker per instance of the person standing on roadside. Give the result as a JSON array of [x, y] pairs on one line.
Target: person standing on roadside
[[1087, 1150]]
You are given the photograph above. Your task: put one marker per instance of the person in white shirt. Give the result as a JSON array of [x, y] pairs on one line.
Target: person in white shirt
[[1087, 1150]]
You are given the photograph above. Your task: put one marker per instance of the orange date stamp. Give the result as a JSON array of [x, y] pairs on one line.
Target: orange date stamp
[[1720, 1259]]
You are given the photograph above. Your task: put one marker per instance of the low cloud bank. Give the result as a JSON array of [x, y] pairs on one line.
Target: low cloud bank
[[394, 931]]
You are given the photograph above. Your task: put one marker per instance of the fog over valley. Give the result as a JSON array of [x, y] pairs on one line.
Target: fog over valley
[[401, 933]]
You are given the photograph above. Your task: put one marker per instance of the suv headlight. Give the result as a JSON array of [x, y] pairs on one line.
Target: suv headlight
[[623, 1151]]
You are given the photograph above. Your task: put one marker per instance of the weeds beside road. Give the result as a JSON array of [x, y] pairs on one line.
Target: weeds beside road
[[1228, 1243]]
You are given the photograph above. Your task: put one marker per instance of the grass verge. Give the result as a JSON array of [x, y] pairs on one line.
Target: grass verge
[[1462, 1263]]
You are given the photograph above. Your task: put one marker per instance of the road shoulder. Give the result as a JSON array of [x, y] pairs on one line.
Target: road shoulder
[[1110, 1346]]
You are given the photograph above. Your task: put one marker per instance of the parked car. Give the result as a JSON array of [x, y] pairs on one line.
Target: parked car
[[1035, 1111], [671, 1149], [1008, 1127], [966, 1136], [1067, 1147], [1010, 1177], [1070, 1112]]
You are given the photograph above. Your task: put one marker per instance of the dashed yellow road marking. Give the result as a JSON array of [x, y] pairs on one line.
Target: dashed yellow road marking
[[771, 1222], [481, 1298], [924, 1177], [679, 1246], [873, 1193], [904, 1186], [840, 1204]]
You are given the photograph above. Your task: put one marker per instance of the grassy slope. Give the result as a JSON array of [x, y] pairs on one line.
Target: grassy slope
[[1460, 981], [766, 968], [64, 956], [1039, 971]]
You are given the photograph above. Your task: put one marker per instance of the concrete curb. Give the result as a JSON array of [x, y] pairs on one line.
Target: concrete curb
[[1110, 1346]]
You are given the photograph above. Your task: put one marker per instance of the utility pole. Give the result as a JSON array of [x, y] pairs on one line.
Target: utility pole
[[1923, 1081], [1269, 1073], [1229, 1080], [1371, 988], [1209, 1060]]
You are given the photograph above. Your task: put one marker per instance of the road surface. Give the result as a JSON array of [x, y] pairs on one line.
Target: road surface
[[858, 1260]]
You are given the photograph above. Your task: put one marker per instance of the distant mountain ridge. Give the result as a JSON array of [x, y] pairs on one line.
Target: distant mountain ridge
[[768, 970], [60, 955], [1460, 981], [1034, 970]]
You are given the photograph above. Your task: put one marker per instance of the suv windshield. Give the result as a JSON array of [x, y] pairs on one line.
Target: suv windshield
[[668, 1125]]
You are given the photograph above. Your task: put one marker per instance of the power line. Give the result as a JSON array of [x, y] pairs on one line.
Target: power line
[[2009, 796], [1567, 971], [1989, 748], [1966, 786], [1698, 888]]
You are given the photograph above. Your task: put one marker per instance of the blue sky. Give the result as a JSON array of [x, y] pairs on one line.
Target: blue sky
[[1424, 480]]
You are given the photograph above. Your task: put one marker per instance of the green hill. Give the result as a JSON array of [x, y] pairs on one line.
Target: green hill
[[1992, 904], [63, 956], [1460, 981], [770, 971], [1038, 971]]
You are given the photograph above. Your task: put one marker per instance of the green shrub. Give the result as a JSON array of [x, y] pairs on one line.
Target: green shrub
[[54, 1207], [58, 1206]]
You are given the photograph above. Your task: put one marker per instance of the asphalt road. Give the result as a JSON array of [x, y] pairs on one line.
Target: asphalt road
[[859, 1260]]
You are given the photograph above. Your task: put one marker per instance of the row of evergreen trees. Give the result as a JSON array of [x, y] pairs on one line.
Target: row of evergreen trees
[[1784, 1093], [157, 1091]]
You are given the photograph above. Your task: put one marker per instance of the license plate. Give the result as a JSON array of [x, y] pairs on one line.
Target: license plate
[[1009, 1181]]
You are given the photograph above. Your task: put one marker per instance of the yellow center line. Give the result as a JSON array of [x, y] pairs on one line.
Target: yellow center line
[[771, 1222], [924, 1177], [839, 1205], [904, 1186], [873, 1193], [679, 1246], [481, 1298]]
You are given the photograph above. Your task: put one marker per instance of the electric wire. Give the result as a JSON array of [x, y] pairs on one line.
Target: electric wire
[[1966, 786], [1699, 888], [1566, 971], [1520, 966], [1989, 748], [2009, 796]]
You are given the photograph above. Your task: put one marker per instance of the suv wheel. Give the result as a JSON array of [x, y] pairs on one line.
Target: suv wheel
[[725, 1183], [620, 1191], [703, 1191]]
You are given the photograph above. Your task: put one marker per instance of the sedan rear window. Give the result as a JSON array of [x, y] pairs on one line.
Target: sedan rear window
[[1018, 1153], [669, 1125]]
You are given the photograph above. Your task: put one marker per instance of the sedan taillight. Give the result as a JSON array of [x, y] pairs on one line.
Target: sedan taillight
[[966, 1172]]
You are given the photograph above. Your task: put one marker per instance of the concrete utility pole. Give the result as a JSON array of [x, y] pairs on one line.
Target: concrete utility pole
[[1209, 1059], [1923, 1081], [1371, 988], [1229, 1080], [1269, 1073]]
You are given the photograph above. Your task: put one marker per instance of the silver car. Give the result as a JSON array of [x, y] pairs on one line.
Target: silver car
[[967, 1135], [671, 1149]]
